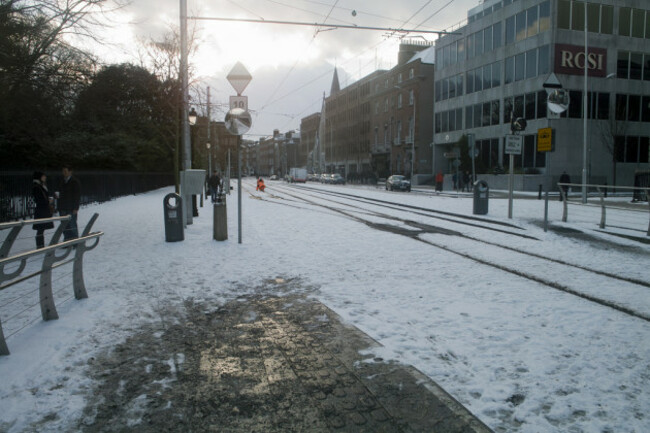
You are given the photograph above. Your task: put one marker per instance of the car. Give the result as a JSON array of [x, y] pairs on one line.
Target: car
[[397, 181], [273, 177], [337, 179], [324, 178]]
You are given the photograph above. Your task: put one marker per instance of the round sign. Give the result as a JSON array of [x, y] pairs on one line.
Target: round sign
[[238, 121]]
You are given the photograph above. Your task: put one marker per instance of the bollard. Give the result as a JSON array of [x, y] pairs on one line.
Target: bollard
[[173, 218], [539, 194], [220, 220]]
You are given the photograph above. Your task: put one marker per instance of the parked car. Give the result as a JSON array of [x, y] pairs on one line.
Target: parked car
[[399, 182], [325, 178], [273, 177], [337, 179]]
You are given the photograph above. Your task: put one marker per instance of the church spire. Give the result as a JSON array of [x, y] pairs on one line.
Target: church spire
[[336, 87]]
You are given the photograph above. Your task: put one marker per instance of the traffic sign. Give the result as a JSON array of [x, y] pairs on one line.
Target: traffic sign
[[239, 77], [451, 155], [513, 144], [239, 102], [545, 140], [238, 121]]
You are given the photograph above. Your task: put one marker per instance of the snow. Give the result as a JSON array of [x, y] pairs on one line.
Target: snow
[[520, 355]]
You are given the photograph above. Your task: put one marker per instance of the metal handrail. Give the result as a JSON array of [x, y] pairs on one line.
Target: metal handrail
[[565, 210], [50, 261]]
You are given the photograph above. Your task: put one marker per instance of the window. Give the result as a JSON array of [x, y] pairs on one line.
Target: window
[[507, 110], [644, 146], [478, 79], [619, 148], [399, 78], [478, 43], [496, 74], [624, 21], [386, 105], [438, 90], [647, 25], [593, 17], [411, 73], [452, 120], [470, 81], [622, 65], [541, 104], [531, 22], [544, 16], [487, 76], [631, 149], [411, 98], [578, 16], [399, 101], [445, 89], [487, 39], [452, 87], [520, 63], [510, 70], [510, 30], [518, 107], [603, 106], [478, 115], [520, 26], [621, 107], [469, 118], [529, 112], [638, 23], [459, 85], [494, 112], [461, 50], [438, 123], [470, 46], [564, 14], [634, 108], [529, 151], [531, 63], [607, 20], [645, 113], [575, 109], [496, 35], [485, 118], [636, 66], [459, 118], [646, 68], [544, 60]]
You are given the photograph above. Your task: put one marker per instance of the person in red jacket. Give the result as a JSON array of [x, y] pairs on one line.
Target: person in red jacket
[[439, 180], [260, 185]]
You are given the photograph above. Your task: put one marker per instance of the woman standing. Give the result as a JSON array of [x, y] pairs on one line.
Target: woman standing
[[43, 209]]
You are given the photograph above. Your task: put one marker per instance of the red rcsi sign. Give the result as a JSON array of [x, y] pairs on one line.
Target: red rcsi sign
[[570, 59]]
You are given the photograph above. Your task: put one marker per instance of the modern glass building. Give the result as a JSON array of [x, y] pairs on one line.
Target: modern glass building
[[495, 67]]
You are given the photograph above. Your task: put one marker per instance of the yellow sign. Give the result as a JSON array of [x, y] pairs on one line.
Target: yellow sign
[[545, 140]]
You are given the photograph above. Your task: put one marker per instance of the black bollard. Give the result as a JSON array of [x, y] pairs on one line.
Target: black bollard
[[539, 194]]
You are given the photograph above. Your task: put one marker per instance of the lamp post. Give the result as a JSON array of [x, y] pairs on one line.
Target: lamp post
[[584, 117], [207, 145]]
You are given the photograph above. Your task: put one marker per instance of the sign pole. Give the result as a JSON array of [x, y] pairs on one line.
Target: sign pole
[[239, 188], [511, 184], [548, 186]]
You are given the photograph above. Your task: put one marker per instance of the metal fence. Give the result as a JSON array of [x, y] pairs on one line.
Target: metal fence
[[16, 200]]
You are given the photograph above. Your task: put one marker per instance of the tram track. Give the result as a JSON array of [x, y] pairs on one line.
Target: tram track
[[417, 230]]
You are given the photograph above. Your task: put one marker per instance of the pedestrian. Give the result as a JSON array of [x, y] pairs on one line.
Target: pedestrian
[[68, 204], [215, 185], [43, 207], [454, 178], [260, 185], [440, 178], [564, 178], [466, 181]]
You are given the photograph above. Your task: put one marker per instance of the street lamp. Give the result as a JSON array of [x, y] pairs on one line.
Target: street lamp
[[191, 118], [207, 145]]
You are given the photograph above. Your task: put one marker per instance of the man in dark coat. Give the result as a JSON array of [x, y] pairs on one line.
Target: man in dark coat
[[42, 210], [69, 199], [215, 183], [564, 178]]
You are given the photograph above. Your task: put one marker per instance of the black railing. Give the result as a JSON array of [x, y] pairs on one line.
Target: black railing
[[641, 180], [16, 188]]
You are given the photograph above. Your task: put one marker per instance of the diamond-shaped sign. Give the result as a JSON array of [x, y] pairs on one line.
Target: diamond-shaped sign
[[239, 77]]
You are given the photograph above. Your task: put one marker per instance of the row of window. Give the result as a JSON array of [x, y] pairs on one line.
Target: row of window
[[631, 149], [526, 65], [529, 106], [451, 120], [530, 22], [633, 66], [600, 19], [633, 108], [530, 64], [484, 41], [484, 78], [529, 158], [476, 116]]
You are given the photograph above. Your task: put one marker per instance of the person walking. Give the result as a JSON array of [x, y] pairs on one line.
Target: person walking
[[215, 184], [260, 185], [69, 199], [43, 209], [466, 181], [440, 178], [564, 178]]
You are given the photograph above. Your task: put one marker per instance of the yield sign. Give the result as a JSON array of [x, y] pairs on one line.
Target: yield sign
[[239, 78]]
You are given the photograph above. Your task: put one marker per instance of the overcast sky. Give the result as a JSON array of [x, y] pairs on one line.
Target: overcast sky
[[291, 65]]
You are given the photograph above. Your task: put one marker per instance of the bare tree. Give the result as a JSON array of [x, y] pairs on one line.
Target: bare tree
[[613, 131]]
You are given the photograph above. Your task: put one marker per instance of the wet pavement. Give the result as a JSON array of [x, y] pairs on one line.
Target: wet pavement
[[262, 364]]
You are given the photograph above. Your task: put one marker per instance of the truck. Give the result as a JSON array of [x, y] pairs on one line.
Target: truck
[[298, 174]]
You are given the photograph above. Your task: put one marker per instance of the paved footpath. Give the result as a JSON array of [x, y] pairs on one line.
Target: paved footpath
[[263, 364]]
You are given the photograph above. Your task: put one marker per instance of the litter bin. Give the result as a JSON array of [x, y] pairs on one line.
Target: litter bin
[[481, 193], [220, 219], [173, 211]]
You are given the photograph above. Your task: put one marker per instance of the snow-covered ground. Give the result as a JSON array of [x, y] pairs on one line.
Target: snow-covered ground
[[520, 355]]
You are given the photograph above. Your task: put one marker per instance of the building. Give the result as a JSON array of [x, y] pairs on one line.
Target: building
[[310, 142], [495, 66]]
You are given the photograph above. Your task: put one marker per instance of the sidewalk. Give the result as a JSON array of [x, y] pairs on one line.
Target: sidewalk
[[265, 364]]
